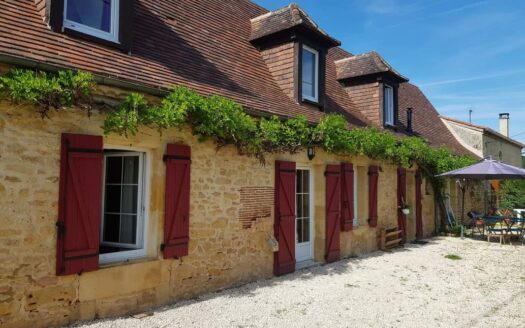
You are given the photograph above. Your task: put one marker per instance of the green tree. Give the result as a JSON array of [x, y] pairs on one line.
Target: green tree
[[513, 194]]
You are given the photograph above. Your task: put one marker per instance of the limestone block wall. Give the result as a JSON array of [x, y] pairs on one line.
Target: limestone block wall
[[227, 233]]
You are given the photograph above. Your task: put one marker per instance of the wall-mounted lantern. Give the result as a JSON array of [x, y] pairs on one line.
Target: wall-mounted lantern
[[311, 152]]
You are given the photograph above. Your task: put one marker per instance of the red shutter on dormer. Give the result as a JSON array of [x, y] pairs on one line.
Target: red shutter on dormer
[[333, 212], [401, 200], [80, 201], [373, 177], [347, 196], [284, 226], [419, 209], [177, 201]]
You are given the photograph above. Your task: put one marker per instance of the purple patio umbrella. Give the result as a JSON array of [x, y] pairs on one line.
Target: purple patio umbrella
[[487, 169]]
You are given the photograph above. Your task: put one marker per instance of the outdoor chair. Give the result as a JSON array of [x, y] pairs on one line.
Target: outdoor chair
[[497, 227], [476, 222], [517, 229]]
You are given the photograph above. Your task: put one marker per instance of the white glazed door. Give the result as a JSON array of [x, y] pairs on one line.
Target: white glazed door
[[304, 220]]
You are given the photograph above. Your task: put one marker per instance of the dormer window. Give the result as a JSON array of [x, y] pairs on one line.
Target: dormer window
[[388, 105], [310, 74], [98, 18]]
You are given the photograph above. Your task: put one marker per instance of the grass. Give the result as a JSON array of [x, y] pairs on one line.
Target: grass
[[453, 257]]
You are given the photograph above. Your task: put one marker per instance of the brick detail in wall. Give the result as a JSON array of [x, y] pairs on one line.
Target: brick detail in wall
[[367, 99], [280, 62], [256, 203]]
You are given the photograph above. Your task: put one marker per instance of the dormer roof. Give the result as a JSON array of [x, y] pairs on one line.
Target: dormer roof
[[288, 19], [370, 63]]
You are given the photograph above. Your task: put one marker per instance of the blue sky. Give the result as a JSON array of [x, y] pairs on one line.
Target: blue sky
[[463, 54]]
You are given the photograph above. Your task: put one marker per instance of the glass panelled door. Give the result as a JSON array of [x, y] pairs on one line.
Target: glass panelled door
[[304, 222]]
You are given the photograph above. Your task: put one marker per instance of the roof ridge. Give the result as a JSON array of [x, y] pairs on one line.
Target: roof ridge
[[484, 128]]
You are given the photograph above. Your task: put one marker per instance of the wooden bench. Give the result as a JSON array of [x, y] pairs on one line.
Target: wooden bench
[[390, 238]]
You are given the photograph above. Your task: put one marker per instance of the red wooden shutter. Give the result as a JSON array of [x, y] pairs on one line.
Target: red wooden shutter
[[419, 214], [284, 227], [401, 199], [373, 177], [177, 203], [333, 212], [347, 196], [80, 201]]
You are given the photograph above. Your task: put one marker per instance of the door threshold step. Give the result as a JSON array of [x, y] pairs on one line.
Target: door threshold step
[[305, 264]]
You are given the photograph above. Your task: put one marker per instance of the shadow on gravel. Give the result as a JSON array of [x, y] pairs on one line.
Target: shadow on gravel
[[344, 266]]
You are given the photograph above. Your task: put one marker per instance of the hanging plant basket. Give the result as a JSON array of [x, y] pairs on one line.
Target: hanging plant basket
[[405, 211]]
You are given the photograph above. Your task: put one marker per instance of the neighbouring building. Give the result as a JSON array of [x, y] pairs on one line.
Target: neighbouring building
[[94, 226], [485, 142]]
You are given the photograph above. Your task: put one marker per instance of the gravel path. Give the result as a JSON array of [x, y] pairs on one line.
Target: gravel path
[[411, 287]]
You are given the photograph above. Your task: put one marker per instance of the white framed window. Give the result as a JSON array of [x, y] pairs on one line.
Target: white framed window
[[388, 105], [355, 222], [123, 212], [310, 74], [98, 18]]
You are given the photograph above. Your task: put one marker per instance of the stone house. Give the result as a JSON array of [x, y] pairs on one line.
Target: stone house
[[484, 142], [95, 225]]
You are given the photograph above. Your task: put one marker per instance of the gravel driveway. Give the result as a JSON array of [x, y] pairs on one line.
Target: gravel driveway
[[412, 287]]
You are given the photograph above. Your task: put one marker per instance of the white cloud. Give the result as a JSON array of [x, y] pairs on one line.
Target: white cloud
[[472, 78]]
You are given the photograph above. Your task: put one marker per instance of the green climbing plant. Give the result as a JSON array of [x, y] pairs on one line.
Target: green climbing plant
[[225, 122]]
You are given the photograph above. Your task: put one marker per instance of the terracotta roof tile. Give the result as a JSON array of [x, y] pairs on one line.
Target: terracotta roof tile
[[365, 64], [425, 119], [289, 17], [200, 44], [204, 45]]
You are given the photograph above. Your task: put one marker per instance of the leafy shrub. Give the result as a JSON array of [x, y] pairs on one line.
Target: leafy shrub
[[226, 122], [48, 90]]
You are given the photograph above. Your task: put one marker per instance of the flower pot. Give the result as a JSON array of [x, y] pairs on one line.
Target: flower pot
[[405, 211]]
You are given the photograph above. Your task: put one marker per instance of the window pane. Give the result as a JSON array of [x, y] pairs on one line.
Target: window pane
[[92, 13], [299, 232], [128, 229], [308, 73], [112, 202], [113, 169], [306, 181], [298, 181], [306, 206], [306, 230], [389, 105], [111, 228], [131, 169], [308, 66], [129, 199]]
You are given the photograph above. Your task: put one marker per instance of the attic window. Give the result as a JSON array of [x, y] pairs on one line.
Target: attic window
[[98, 18], [388, 104], [310, 74]]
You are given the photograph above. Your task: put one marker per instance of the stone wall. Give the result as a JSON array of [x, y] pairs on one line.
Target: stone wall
[[501, 149], [224, 250]]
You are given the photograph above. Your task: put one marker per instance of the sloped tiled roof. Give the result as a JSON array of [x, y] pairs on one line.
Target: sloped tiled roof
[[204, 45], [284, 19], [363, 65], [426, 121]]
